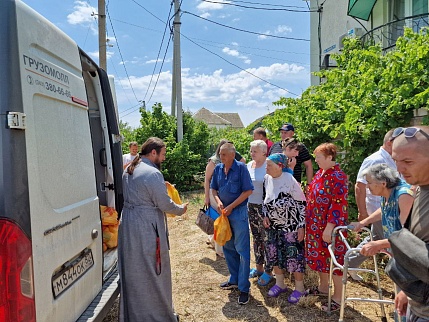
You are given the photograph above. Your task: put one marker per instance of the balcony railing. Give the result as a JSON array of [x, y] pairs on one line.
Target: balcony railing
[[388, 33]]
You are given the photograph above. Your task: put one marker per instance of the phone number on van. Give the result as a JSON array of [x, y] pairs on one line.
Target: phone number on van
[[71, 272], [57, 89]]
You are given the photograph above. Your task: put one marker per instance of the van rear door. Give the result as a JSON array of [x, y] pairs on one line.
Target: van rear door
[[65, 221]]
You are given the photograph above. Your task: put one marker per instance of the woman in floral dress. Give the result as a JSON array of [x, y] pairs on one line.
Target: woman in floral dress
[[326, 209]]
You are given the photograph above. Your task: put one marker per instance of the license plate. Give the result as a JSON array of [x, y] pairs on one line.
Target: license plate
[[71, 272]]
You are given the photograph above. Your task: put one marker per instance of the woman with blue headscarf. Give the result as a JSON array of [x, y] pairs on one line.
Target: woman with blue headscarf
[[284, 218]]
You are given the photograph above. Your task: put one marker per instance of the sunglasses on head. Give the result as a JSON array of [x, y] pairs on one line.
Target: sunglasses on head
[[409, 132], [291, 141]]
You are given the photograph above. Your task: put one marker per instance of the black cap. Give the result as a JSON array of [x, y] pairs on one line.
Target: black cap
[[287, 127]]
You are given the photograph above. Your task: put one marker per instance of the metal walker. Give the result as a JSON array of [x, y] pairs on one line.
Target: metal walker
[[334, 265]]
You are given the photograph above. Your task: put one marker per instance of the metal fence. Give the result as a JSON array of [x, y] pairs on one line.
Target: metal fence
[[388, 33]]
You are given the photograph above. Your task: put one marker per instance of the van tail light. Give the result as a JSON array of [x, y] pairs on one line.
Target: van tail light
[[16, 274]]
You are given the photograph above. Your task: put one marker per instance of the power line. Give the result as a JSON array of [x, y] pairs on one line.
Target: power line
[[134, 25], [178, 10], [252, 54], [120, 83], [120, 53], [157, 79], [148, 11], [130, 109], [215, 42], [247, 31], [160, 69], [89, 28], [166, 23], [257, 48], [256, 8], [244, 70], [267, 4], [159, 51]]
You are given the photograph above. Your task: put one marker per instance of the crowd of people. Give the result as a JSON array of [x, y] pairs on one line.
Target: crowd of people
[[291, 224]]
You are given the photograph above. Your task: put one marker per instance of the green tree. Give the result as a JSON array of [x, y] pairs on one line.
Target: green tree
[[240, 137], [185, 159], [128, 134], [368, 94]]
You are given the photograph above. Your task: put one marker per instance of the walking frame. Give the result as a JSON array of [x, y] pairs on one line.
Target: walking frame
[[334, 265]]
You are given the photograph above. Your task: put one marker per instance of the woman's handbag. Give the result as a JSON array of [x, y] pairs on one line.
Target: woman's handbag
[[205, 222]]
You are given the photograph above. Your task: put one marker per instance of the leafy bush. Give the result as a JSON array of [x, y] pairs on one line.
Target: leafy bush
[[240, 137], [358, 102], [128, 134], [184, 159]]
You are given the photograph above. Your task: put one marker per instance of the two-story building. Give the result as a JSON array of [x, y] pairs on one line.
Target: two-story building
[[382, 21]]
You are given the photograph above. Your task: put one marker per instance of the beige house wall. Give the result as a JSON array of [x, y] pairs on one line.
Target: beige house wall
[[335, 24]]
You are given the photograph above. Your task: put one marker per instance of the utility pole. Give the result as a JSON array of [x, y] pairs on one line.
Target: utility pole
[[177, 73], [102, 34], [173, 89]]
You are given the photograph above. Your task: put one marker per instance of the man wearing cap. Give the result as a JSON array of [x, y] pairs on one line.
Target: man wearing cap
[[287, 130]]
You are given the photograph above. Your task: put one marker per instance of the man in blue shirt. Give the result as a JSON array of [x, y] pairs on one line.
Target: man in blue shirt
[[231, 186]]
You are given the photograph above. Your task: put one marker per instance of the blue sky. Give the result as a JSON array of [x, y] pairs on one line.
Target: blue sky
[[217, 62]]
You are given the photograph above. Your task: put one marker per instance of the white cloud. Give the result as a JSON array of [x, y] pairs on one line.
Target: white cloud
[[205, 15], [135, 60], [238, 92], [96, 54], [231, 52], [278, 31], [207, 6], [282, 29], [82, 14], [262, 37], [153, 61], [235, 53]]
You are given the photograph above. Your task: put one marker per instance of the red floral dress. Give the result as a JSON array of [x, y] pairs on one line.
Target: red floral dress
[[326, 203]]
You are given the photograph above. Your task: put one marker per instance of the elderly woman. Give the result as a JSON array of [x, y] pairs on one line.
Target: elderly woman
[[326, 209], [396, 201], [284, 218], [256, 167]]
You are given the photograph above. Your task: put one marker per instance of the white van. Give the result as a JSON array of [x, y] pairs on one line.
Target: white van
[[60, 160]]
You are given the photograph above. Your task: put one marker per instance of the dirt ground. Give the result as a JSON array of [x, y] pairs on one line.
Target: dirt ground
[[197, 273]]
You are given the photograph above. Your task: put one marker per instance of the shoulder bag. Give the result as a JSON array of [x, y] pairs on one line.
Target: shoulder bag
[[204, 221]]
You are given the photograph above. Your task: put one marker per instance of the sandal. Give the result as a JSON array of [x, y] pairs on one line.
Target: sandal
[[314, 291], [295, 296], [264, 279], [221, 255], [334, 307], [255, 273], [276, 290]]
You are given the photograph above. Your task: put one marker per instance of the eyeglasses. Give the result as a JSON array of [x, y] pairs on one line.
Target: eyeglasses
[[409, 132]]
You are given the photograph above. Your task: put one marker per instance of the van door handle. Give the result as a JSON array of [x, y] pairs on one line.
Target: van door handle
[[103, 157]]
